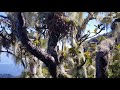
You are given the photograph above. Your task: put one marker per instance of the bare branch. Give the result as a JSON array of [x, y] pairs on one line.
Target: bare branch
[[101, 29]]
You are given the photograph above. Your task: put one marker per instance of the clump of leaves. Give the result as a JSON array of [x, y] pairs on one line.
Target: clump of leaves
[[45, 72], [36, 42], [118, 46], [117, 53], [73, 51], [114, 70]]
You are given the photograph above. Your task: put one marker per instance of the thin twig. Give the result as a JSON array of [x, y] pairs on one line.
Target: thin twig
[[10, 53]]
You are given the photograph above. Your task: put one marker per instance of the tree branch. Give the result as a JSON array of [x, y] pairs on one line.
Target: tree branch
[[83, 26], [47, 59]]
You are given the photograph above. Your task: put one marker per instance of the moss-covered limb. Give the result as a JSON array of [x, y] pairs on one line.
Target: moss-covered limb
[[48, 60]]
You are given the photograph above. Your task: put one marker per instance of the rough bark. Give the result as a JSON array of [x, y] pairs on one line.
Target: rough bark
[[101, 65]]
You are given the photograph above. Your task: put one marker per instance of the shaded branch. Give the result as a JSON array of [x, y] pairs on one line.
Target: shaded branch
[[8, 52], [4, 17]]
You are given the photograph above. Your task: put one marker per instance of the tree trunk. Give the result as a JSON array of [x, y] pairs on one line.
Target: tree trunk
[[101, 65], [52, 43]]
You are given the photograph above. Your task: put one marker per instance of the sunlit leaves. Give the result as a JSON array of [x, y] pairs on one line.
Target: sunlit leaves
[[40, 42], [45, 72], [36, 42], [95, 31], [64, 52], [118, 46], [43, 43], [67, 20], [87, 54]]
